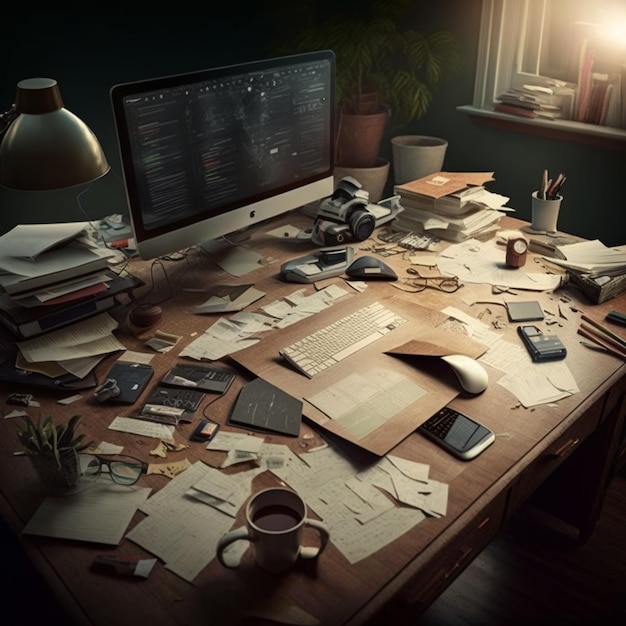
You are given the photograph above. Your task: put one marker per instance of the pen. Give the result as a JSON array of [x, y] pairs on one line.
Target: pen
[[544, 185], [557, 191], [615, 338], [555, 187]]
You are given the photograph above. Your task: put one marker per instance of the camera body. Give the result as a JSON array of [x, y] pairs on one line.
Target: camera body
[[344, 215]]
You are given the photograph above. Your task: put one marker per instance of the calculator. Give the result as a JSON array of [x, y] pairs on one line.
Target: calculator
[[457, 433]]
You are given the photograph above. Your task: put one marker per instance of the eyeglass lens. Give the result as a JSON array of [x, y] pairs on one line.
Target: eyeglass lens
[[445, 284], [449, 285], [122, 470]]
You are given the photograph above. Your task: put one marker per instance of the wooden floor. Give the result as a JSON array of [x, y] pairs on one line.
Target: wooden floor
[[525, 576], [529, 576]]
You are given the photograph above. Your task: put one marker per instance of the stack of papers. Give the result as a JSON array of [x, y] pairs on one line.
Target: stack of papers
[[454, 206], [592, 258], [52, 275], [75, 349], [38, 255]]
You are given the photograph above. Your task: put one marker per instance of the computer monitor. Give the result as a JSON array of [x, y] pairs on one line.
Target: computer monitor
[[212, 152]]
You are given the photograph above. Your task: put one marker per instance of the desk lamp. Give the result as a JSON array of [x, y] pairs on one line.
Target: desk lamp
[[45, 146]]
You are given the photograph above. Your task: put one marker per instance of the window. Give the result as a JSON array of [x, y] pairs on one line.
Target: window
[[544, 43]]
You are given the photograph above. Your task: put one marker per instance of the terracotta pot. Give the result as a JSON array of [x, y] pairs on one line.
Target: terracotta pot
[[359, 138]]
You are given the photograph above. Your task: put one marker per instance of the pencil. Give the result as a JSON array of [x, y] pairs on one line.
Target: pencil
[[607, 331]]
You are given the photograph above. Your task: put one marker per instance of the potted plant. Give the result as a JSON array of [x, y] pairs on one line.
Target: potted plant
[[53, 449], [386, 71]]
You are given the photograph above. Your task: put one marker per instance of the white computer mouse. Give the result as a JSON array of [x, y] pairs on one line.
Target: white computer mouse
[[472, 376]]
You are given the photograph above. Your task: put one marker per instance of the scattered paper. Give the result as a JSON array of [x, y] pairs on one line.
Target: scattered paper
[[230, 298], [99, 512], [474, 261], [142, 427], [364, 402]]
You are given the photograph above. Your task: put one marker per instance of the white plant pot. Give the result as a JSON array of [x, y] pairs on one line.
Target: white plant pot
[[372, 179], [416, 156]]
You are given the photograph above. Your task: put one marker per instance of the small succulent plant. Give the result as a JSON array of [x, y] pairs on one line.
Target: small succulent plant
[[44, 437]]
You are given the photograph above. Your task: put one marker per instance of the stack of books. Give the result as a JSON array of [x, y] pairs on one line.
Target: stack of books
[[52, 275], [531, 101], [454, 206], [601, 86]]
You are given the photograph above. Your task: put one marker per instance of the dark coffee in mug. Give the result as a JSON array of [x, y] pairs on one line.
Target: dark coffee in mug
[[275, 522], [276, 517]]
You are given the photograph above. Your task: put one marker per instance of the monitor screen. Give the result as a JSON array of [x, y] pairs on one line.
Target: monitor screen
[[208, 153]]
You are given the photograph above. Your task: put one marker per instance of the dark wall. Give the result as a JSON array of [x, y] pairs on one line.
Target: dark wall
[[87, 53]]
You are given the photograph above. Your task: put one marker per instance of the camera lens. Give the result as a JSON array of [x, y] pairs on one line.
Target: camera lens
[[362, 224]]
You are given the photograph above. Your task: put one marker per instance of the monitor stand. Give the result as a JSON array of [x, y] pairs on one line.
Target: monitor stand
[[231, 257]]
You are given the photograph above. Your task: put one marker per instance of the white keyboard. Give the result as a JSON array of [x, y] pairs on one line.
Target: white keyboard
[[322, 349]]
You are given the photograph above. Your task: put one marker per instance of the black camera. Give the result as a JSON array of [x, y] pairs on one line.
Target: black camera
[[344, 215]]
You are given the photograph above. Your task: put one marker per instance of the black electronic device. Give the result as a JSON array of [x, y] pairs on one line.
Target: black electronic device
[[264, 407], [541, 347], [370, 268], [205, 431], [325, 263], [457, 433], [124, 383], [237, 145], [616, 316], [344, 215], [174, 403]]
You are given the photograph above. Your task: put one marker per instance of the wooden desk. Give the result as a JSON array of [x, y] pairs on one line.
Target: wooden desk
[[565, 450]]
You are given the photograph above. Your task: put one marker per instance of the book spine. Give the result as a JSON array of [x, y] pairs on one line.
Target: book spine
[[584, 81], [509, 109]]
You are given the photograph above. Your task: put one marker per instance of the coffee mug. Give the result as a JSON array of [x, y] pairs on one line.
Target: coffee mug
[[275, 519]]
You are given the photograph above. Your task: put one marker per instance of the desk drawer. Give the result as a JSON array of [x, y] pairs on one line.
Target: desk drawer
[[553, 456], [438, 574]]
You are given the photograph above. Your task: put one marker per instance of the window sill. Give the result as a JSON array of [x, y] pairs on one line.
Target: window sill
[[588, 134]]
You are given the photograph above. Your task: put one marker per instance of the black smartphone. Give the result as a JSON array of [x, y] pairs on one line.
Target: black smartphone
[[205, 431], [457, 433], [541, 347]]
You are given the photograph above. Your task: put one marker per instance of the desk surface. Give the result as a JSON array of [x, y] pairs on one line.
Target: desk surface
[[334, 591]]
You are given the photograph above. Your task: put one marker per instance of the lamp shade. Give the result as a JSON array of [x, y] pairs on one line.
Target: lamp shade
[[47, 147]]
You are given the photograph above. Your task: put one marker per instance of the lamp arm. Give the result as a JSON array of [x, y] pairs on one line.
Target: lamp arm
[[6, 119]]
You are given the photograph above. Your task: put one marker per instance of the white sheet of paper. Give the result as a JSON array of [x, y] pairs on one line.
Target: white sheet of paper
[[36, 238], [359, 524], [198, 526], [145, 428], [98, 512], [86, 338], [476, 261], [361, 403], [235, 260]]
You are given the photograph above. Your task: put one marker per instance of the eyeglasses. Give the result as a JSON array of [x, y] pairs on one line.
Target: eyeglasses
[[449, 284], [124, 470]]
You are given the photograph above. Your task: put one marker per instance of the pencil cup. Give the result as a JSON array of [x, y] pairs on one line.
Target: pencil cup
[[545, 213]]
